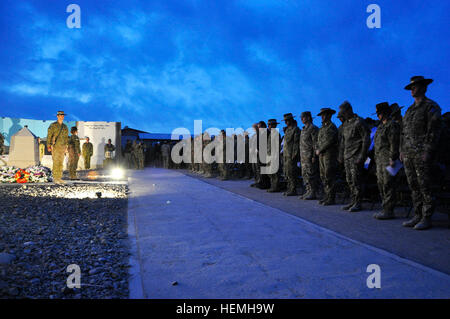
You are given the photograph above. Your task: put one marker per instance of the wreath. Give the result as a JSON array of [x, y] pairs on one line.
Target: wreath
[[22, 176]]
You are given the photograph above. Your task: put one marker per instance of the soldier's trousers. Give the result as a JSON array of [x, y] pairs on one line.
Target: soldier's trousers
[[224, 170], [73, 164], [257, 172], [310, 174], [275, 178], [207, 169], [328, 168], [418, 174], [386, 184], [353, 174], [166, 161], [290, 175], [58, 159], [87, 162]]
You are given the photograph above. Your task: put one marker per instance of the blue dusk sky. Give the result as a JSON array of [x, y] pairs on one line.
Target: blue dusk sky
[[156, 65]]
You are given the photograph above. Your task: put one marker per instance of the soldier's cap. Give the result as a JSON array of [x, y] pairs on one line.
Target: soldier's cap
[[287, 116], [326, 110], [306, 114], [396, 108], [272, 121], [346, 106], [418, 79], [381, 108], [60, 113]]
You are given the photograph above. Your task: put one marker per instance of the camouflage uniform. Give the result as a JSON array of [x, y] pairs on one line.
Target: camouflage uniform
[[87, 151], [421, 130], [355, 143], [206, 167], [308, 160], [290, 157], [2, 143], [274, 178], [128, 152], [327, 145], [57, 139], [165, 151], [386, 142], [74, 151], [41, 151], [108, 149], [224, 166]]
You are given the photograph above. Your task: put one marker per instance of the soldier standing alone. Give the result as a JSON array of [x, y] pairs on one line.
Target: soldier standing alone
[[57, 140], [327, 150], [421, 130], [74, 152], [386, 145]]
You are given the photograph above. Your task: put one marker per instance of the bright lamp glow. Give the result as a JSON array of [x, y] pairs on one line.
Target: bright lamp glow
[[117, 173]]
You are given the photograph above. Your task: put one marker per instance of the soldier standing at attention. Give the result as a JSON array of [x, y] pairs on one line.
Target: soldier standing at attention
[[308, 158], [2, 142], [222, 164], [421, 131], [41, 149], [274, 178], [264, 180], [87, 151], [57, 140], [165, 151], [353, 153], [290, 153], [327, 149], [74, 152], [127, 152], [108, 150], [254, 149], [386, 146]]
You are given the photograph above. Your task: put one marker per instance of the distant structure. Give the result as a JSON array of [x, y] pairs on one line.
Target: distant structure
[[24, 150]]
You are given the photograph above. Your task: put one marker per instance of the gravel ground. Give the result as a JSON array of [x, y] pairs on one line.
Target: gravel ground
[[45, 228]]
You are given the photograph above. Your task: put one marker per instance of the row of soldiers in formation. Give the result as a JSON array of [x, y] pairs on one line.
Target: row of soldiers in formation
[[412, 140]]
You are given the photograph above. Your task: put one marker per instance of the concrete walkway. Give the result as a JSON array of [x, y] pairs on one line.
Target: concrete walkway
[[216, 244]]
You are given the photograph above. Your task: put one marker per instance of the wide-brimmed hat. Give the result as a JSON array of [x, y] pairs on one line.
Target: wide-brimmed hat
[[60, 113], [306, 114], [418, 79], [287, 116], [326, 110], [381, 108], [272, 121], [396, 108]]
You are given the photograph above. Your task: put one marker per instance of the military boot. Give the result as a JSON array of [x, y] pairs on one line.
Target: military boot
[[425, 223], [309, 196], [355, 208], [413, 221], [385, 214], [329, 202], [290, 193], [347, 207]]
